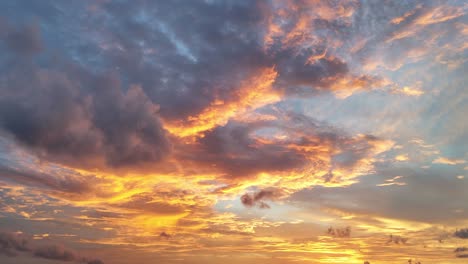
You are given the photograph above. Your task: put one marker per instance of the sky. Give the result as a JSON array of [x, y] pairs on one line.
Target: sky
[[222, 132]]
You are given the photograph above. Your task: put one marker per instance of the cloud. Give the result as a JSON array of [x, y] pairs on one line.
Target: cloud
[[460, 252], [24, 40], [148, 203], [71, 115], [396, 239], [413, 203], [11, 243], [393, 181], [95, 261], [258, 198], [409, 91], [447, 161], [68, 182], [460, 249], [85, 115], [118, 100], [287, 144], [55, 252], [121, 106], [165, 235], [236, 152], [339, 232], [254, 92], [462, 233]]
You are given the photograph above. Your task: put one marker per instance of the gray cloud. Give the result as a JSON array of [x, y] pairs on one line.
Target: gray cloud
[[25, 40], [339, 231], [11, 243], [258, 198], [76, 116], [150, 44], [66, 182], [233, 151], [55, 252], [461, 252], [242, 149], [462, 233], [102, 99], [164, 235]]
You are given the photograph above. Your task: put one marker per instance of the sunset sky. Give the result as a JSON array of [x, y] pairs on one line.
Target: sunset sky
[[225, 132]]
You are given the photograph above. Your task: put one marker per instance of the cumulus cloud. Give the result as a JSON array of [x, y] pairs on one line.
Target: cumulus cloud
[[73, 115], [109, 101]]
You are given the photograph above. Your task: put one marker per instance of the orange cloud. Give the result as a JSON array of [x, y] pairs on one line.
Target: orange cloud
[[254, 92], [444, 160]]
